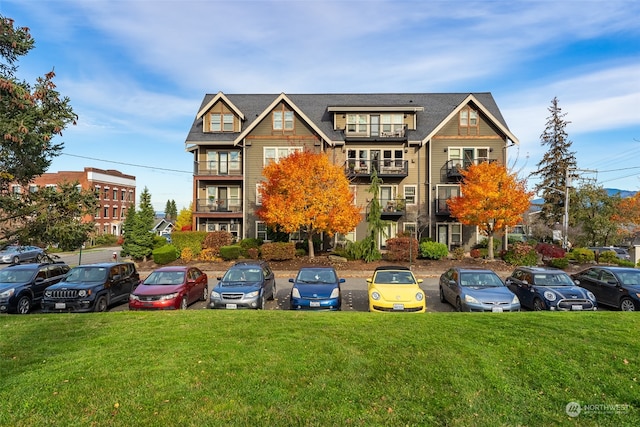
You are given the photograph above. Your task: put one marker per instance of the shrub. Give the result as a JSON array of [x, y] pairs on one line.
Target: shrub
[[230, 252], [216, 239], [608, 257], [364, 249], [433, 250], [191, 239], [209, 255], [106, 240], [582, 255], [400, 248], [278, 251], [521, 254], [458, 253], [186, 255], [253, 253], [475, 253], [165, 254], [548, 250], [625, 263], [559, 262], [159, 241]]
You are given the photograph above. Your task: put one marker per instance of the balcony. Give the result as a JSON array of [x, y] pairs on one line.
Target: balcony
[[384, 168], [216, 169], [378, 132], [452, 169], [220, 207], [392, 210]]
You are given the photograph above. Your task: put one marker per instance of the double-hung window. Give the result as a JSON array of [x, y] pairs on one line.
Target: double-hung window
[[283, 120], [221, 122], [468, 121], [357, 123]]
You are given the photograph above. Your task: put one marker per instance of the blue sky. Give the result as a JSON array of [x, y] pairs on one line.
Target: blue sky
[[137, 70]]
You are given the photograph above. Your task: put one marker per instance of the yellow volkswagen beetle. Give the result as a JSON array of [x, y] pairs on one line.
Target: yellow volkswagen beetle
[[394, 289]]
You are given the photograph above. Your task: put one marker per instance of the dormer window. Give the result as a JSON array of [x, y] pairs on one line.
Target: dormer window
[[221, 122]]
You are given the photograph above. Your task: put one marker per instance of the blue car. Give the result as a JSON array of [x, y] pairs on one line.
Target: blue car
[[543, 288], [475, 289], [316, 288], [246, 285]]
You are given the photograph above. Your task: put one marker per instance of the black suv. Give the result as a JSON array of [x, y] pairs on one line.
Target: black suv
[[22, 285], [92, 287]]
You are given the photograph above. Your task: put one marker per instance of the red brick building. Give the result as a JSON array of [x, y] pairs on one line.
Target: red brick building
[[116, 191]]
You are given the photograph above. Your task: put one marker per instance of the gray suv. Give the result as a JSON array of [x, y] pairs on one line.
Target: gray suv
[[92, 287], [246, 284]]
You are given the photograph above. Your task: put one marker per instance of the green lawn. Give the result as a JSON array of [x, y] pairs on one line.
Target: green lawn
[[204, 368]]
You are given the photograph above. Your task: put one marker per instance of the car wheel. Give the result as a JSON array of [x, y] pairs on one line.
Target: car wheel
[[273, 294], [538, 305], [205, 294], [16, 260], [101, 304], [442, 298], [183, 303], [627, 305], [262, 302], [458, 304], [24, 305]]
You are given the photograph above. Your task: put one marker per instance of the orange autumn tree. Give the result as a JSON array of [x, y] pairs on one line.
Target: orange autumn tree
[[306, 192], [628, 215], [490, 199]]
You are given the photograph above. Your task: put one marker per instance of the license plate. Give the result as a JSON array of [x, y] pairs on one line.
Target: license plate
[[576, 307], [60, 306], [398, 306], [231, 306], [497, 309], [314, 303]]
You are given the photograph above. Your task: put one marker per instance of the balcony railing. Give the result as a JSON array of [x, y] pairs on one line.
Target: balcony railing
[[384, 168], [219, 205], [392, 209], [218, 169], [378, 131], [452, 168]]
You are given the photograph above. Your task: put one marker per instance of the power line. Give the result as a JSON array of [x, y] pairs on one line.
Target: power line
[[128, 164]]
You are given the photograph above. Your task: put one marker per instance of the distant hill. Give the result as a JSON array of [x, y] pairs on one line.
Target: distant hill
[[610, 191]]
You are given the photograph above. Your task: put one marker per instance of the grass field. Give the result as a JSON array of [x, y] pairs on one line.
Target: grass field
[[204, 367]]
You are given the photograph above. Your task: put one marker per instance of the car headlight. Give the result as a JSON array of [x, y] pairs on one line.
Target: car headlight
[[8, 293], [47, 293], [419, 296], [295, 293], [133, 297], [515, 300], [375, 295], [84, 293], [335, 293], [592, 297], [215, 294], [470, 300], [252, 294], [550, 296], [638, 295], [168, 296]]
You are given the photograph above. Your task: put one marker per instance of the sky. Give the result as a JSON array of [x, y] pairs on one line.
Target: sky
[[136, 71]]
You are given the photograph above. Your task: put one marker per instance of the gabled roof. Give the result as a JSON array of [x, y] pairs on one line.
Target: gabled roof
[[219, 96], [433, 110]]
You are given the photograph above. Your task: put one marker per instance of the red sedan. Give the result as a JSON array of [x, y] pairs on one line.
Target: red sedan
[[170, 288]]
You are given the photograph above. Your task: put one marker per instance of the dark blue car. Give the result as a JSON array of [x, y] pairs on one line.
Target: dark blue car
[[316, 288], [246, 285], [542, 288]]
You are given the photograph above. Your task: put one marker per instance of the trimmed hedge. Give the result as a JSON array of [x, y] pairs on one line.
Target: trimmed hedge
[[278, 251], [165, 254], [433, 250], [230, 252], [188, 239]]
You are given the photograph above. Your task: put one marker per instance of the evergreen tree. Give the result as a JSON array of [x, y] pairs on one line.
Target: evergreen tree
[[167, 211], [32, 115], [174, 210], [138, 236], [127, 231], [375, 224], [557, 164]]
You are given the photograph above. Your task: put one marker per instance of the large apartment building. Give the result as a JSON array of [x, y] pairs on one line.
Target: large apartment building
[[417, 143], [115, 190]]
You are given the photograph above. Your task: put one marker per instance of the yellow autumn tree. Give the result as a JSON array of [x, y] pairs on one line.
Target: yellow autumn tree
[[306, 192], [627, 215], [490, 199]]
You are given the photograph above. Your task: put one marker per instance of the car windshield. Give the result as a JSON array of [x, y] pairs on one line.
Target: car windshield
[[165, 278], [630, 277], [239, 276], [16, 276], [86, 274], [394, 277], [552, 279], [316, 275], [480, 280]]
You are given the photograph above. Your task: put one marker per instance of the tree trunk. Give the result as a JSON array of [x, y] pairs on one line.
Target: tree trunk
[[310, 241], [490, 246]]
